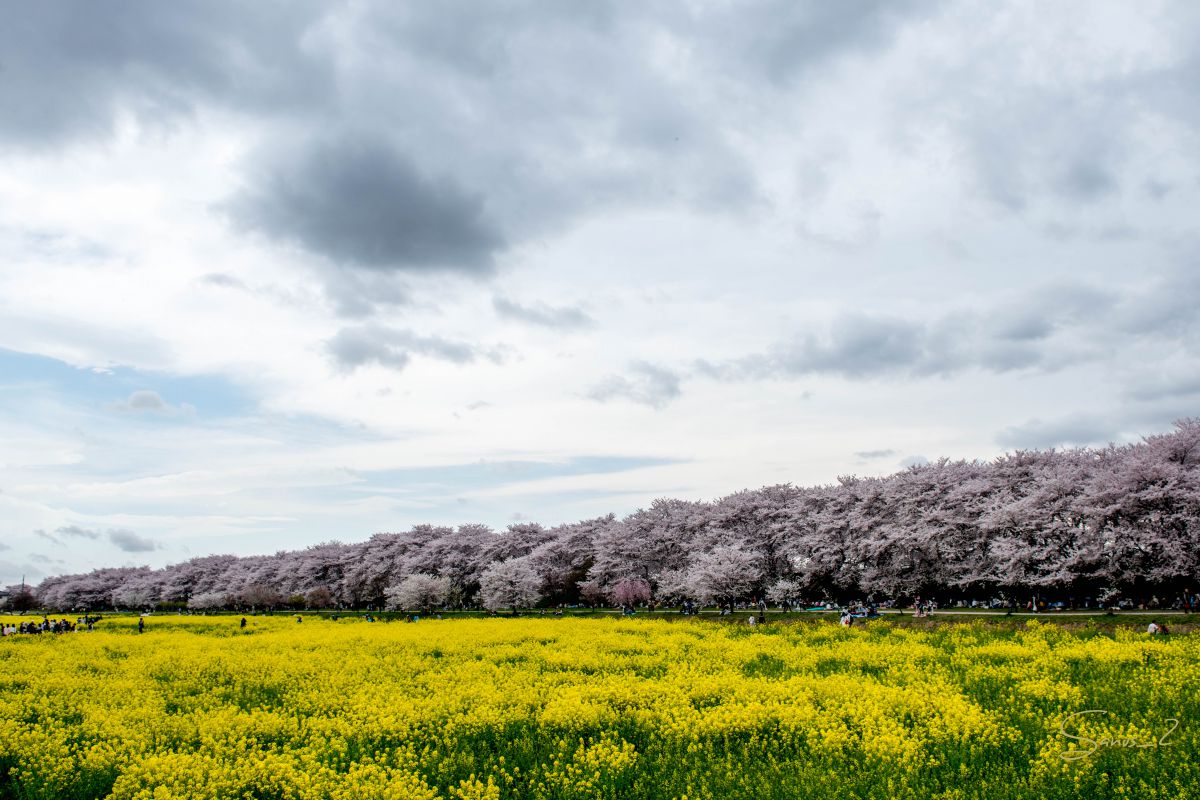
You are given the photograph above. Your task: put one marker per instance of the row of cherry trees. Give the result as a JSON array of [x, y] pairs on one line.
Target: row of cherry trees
[[1098, 523]]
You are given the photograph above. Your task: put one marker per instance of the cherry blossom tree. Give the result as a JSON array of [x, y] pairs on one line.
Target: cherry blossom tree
[[418, 592], [260, 596], [513, 583], [784, 592], [725, 574], [20, 598], [209, 601], [320, 597], [629, 592]]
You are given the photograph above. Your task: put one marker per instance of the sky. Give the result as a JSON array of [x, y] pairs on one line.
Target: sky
[[275, 274]]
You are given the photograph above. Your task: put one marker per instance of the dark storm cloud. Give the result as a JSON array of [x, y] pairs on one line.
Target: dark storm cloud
[[564, 318], [359, 346], [643, 383], [69, 70], [130, 542], [355, 200], [484, 124]]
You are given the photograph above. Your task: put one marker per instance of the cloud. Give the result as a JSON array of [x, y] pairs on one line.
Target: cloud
[[1035, 315], [355, 293], [1085, 179], [783, 41], [25, 571], [72, 70], [41, 534], [1159, 386], [359, 346], [357, 201], [873, 454], [854, 346], [1076, 430], [223, 280], [913, 461], [1166, 309], [130, 542], [124, 539], [77, 532], [564, 318], [1043, 329], [860, 345], [146, 401], [645, 384]]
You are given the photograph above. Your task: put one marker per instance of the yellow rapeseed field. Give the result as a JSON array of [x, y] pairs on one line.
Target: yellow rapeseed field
[[594, 708]]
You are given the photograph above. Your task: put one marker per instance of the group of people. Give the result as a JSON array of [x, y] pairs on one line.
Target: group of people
[[1156, 628], [47, 625]]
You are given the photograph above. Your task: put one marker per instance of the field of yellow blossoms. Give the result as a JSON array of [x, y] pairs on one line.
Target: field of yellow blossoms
[[541, 707]]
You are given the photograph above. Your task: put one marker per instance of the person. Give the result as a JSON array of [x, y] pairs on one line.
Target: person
[[243, 622], [1163, 630], [141, 624], [1153, 628], [299, 619], [847, 618]]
